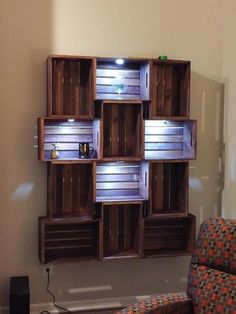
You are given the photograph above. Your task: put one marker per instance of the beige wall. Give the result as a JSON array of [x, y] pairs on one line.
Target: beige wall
[[229, 77], [29, 31]]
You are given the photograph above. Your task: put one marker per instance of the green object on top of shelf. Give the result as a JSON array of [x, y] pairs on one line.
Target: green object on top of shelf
[[163, 57]]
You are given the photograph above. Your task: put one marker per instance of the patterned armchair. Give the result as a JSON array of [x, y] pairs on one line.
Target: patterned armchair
[[211, 287]]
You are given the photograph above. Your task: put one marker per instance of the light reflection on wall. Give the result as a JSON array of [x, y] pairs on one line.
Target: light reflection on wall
[[195, 184], [232, 168], [89, 289], [22, 191]]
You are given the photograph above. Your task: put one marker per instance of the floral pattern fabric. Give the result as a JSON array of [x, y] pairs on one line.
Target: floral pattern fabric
[[171, 303], [211, 290], [211, 287], [216, 244]]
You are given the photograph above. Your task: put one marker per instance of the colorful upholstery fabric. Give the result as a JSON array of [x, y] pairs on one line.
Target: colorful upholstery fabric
[[216, 244], [172, 303], [211, 287], [212, 279], [211, 290]]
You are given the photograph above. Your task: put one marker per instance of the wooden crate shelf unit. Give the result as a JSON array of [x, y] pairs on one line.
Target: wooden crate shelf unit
[[117, 181], [170, 89], [67, 134], [129, 81], [172, 236], [70, 86], [70, 190], [169, 189], [122, 230], [122, 130], [117, 140], [63, 241], [168, 139]]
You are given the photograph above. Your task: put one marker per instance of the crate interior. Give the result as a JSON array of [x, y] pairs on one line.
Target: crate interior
[[67, 134], [122, 130], [117, 181], [170, 89], [169, 188], [129, 81], [168, 236], [71, 86], [168, 139], [65, 241], [70, 190], [121, 231]]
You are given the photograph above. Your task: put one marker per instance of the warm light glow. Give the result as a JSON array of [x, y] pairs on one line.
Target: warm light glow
[[119, 61], [71, 120]]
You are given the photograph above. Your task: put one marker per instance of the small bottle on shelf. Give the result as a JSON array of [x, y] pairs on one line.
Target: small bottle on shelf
[[54, 152]]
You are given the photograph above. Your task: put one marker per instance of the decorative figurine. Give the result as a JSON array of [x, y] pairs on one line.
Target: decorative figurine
[[54, 152]]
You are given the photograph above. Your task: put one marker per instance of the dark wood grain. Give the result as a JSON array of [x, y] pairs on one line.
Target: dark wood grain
[[169, 189], [71, 83], [170, 89], [130, 199]]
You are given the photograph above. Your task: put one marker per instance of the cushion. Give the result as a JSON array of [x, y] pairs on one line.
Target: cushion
[[216, 244], [211, 290], [171, 303]]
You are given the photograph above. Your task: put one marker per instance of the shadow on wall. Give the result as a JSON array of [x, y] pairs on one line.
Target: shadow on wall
[[206, 179]]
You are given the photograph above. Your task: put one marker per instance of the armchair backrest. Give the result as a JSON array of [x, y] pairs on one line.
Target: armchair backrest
[[212, 274]]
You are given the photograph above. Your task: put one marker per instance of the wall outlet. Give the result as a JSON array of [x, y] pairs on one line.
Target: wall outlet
[[48, 268]]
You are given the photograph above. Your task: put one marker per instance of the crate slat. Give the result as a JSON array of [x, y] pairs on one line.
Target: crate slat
[[120, 179], [101, 72], [169, 139]]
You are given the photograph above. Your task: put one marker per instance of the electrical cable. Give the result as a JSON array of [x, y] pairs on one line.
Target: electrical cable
[[53, 298]]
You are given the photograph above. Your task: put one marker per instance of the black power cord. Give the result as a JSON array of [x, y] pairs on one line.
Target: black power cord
[[53, 297]]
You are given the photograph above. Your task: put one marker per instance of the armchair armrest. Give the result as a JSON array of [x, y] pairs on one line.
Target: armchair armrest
[[169, 303]]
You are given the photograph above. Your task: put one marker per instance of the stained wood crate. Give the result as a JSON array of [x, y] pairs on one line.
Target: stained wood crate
[[169, 236], [70, 86], [67, 135], [122, 230], [169, 189], [129, 81], [116, 181], [61, 241], [122, 130], [170, 89], [70, 190], [170, 139]]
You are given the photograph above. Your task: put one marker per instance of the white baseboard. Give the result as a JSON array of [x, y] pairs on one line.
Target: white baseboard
[[82, 306]]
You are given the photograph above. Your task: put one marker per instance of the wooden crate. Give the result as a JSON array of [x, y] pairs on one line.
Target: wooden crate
[[122, 130], [170, 139], [65, 241], [168, 189], [170, 89], [117, 181], [122, 230], [67, 135], [70, 190], [172, 236], [129, 81], [70, 86], [129, 199]]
